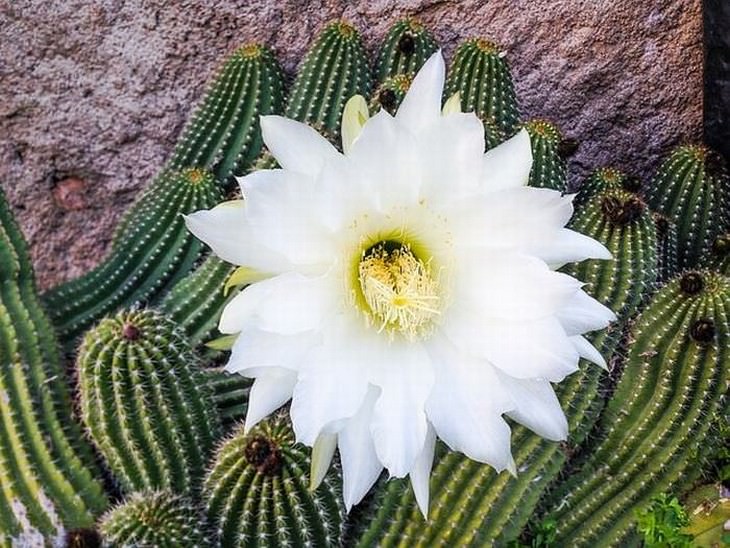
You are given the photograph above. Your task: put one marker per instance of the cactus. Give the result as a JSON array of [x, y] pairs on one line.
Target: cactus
[[666, 232], [223, 134], [406, 47], [155, 519], [605, 178], [390, 93], [149, 252], [47, 469], [230, 394], [337, 53], [257, 492], [692, 188], [719, 256], [474, 506], [146, 407], [480, 74], [657, 422], [549, 153]]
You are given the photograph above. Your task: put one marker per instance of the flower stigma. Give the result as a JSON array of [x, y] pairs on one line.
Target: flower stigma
[[399, 289]]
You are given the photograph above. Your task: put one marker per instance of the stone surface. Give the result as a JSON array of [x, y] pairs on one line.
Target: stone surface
[[96, 92], [717, 75]]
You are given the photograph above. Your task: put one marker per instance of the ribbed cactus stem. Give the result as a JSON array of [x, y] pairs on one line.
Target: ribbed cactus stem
[[153, 519], [230, 394], [481, 75], [257, 492], [152, 248], [471, 505], [223, 134], [47, 469], [146, 406], [334, 69], [692, 188], [550, 151], [675, 381], [406, 47], [666, 233]]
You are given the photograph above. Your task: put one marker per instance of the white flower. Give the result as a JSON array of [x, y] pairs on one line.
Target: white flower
[[411, 290]]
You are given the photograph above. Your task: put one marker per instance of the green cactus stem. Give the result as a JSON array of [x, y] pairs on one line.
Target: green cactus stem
[[481, 75], [223, 134], [656, 424], [692, 188], [471, 504], [334, 69], [257, 492], [390, 94], [230, 394], [151, 250], [719, 256], [666, 232], [146, 406], [47, 468], [153, 519], [549, 154], [406, 47]]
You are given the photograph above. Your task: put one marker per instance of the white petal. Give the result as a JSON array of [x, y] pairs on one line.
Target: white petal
[[422, 103], [296, 146], [466, 405], [582, 313], [287, 304], [322, 453], [512, 286], [405, 376], [360, 464], [421, 472], [588, 351], [272, 389], [332, 382], [523, 349], [567, 246], [508, 164], [354, 116], [255, 349], [452, 105], [225, 229], [537, 407]]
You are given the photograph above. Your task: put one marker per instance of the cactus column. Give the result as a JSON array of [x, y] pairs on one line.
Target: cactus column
[[47, 469]]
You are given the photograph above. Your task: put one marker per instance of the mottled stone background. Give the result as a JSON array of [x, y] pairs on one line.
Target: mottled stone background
[[94, 93]]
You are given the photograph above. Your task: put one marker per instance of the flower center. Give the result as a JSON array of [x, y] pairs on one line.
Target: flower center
[[399, 289]]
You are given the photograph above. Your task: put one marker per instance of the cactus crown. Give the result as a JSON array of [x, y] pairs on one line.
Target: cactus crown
[[407, 46]]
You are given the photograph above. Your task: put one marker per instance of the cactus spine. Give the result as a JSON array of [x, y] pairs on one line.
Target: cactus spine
[[47, 469], [549, 152], [474, 506], [480, 74], [223, 134], [692, 188], [334, 69], [146, 407], [674, 381], [406, 47], [257, 492], [148, 254], [156, 519]]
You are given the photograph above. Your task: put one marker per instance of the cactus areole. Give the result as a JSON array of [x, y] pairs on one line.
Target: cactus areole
[[417, 300]]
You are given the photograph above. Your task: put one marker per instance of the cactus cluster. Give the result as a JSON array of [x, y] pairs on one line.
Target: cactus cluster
[[154, 403]]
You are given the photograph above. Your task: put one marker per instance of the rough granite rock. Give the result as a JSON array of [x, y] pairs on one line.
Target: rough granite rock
[[94, 93]]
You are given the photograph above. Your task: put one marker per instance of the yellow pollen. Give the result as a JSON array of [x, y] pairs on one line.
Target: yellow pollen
[[399, 290]]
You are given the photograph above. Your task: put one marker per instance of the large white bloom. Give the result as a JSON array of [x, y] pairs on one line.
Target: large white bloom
[[410, 289]]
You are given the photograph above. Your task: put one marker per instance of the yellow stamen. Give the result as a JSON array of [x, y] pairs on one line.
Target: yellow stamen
[[399, 290]]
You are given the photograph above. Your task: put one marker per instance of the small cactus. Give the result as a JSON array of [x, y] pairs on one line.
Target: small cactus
[[657, 422], [257, 492], [549, 153], [606, 178], [146, 407], [337, 52], [223, 134], [406, 47], [151, 249], [48, 475], [692, 188], [480, 74], [471, 504], [153, 519]]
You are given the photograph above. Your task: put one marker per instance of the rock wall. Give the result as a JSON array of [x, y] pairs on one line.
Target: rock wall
[[93, 93]]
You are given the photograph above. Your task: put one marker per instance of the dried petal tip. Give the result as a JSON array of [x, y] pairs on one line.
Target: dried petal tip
[[130, 332], [692, 283], [703, 331], [264, 455]]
